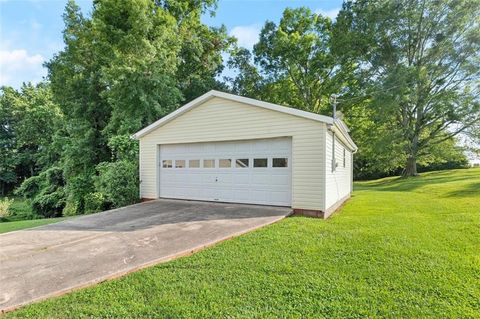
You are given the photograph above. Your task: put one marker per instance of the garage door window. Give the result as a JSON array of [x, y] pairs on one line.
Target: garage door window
[[241, 163], [260, 162], [167, 163], [209, 163], [280, 162], [179, 163], [225, 163], [194, 163]]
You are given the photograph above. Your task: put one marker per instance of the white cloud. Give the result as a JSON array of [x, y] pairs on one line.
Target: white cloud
[[247, 35], [17, 66], [332, 13]]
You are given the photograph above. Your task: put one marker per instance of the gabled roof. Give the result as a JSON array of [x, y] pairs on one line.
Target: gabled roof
[[232, 97]]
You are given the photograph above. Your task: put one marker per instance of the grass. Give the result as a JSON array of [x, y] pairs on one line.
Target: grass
[[23, 224], [400, 248], [23, 217]]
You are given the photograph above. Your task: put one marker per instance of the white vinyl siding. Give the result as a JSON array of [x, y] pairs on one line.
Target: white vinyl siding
[[337, 182], [220, 119]]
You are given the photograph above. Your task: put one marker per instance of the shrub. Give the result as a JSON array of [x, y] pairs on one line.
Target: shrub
[[46, 192], [77, 189], [49, 204], [118, 182], [71, 208], [5, 207], [95, 202]]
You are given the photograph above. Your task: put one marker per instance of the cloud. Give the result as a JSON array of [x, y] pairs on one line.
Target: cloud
[[332, 13], [247, 35], [18, 66]]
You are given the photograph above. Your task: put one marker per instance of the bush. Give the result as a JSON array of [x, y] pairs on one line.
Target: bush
[[49, 204], [5, 207], [95, 202], [77, 189], [118, 182], [46, 192], [71, 208]]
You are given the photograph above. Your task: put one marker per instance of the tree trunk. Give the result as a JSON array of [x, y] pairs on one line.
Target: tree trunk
[[411, 167]]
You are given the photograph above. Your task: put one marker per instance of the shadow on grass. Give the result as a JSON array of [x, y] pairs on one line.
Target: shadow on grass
[[401, 184], [470, 190]]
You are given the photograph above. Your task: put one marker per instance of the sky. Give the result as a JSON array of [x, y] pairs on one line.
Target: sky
[[31, 30]]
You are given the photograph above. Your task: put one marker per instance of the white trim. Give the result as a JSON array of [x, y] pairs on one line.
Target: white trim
[[270, 106]]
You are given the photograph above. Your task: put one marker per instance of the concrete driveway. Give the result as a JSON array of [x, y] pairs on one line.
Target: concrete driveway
[[54, 259]]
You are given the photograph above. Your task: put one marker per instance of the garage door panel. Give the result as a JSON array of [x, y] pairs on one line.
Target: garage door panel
[[250, 184]]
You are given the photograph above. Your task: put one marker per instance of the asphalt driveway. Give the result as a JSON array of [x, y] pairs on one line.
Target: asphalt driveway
[[50, 260]]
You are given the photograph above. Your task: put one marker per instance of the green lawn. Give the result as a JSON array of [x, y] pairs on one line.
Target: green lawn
[[22, 224], [398, 249], [23, 217]]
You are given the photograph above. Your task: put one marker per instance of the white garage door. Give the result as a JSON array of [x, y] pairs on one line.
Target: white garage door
[[250, 171]]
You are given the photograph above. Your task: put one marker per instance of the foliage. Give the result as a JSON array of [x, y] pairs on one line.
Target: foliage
[[118, 182], [294, 63], [95, 202], [46, 192], [418, 62], [29, 122], [123, 148], [5, 206], [406, 248], [122, 68]]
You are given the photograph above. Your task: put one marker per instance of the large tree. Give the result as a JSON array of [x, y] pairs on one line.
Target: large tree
[[294, 63], [123, 67], [418, 62]]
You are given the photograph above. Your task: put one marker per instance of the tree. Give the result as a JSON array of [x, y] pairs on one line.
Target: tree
[[124, 67], [297, 60], [29, 122], [418, 61], [8, 160]]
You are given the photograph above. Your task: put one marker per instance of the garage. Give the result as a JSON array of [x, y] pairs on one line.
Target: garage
[[222, 147], [251, 171]]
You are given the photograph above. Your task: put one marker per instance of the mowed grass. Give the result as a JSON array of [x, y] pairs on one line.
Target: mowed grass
[[398, 249], [23, 224], [22, 217]]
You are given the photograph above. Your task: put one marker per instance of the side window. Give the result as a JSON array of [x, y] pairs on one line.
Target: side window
[[344, 158], [194, 163], [179, 163], [241, 163], [209, 163], [280, 162], [260, 162]]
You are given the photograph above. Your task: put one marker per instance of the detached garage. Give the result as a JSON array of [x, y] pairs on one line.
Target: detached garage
[[227, 148]]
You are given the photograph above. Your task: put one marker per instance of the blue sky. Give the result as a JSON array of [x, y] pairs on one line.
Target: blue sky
[[31, 30]]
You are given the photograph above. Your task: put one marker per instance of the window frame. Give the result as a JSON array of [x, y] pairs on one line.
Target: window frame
[[260, 158], [224, 159], [180, 160], [209, 159], [167, 160], [242, 159], [287, 160], [199, 163]]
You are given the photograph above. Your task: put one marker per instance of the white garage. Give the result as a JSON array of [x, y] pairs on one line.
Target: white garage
[[226, 148], [248, 171]]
